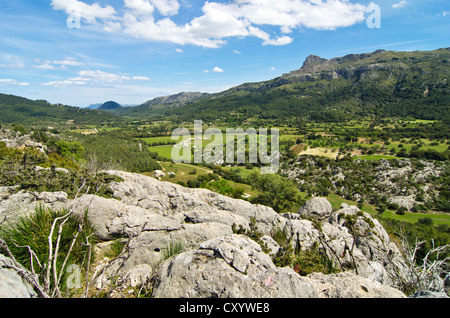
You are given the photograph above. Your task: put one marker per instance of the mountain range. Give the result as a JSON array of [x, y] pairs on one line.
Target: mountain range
[[378, 84]]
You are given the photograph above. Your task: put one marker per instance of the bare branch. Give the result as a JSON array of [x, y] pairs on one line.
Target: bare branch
[[29, 277], [32, 255]]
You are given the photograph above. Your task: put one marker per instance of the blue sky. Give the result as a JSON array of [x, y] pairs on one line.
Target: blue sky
[[84, 52]]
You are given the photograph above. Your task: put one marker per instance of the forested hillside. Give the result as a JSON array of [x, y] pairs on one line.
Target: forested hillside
[[14, 109], [379, 84]]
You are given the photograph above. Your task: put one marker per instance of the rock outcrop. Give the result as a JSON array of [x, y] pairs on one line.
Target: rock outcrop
[[235, 267], [151, 216], [229, 267]]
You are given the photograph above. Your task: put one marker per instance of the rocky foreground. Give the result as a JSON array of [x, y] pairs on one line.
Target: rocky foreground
[[150, 215]]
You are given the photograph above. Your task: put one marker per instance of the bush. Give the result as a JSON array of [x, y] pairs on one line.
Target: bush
[[401, 211], [425, 221], [278, 192]]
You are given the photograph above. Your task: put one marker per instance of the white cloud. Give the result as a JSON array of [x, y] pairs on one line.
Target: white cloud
[[18, 65], [68, 62], [219, 21], [8, 81], [166, 7], [290, 14], [65, 83], [58, 64], [214, 70], [140, 7], [217, 70], [96, 77], [178, 50], [400, 4], [100, 76], [237, 52], [445, 13], [141, 78], [90, 13], [46, 67]]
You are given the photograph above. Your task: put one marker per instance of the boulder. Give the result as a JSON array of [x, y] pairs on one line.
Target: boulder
[[316, 208], [112, 218], [12, 285], [350, 285], [233, 266], [22, 203]]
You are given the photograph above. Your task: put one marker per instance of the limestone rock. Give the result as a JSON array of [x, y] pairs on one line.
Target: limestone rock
[[112, 218], [316, 207], [229, 267], [350, 285], [11, 283], [16, 205]]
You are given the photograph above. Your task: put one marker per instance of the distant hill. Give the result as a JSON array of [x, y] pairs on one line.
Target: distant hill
[[175, 100], [109, 106], [15, 109], [163, 103], [381, 84], [94, 106]]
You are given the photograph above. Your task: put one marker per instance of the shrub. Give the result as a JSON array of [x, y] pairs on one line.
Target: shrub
[[32, 233], [401, 211]]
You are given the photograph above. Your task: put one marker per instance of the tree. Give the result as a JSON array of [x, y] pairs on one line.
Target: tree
[[277, 192]]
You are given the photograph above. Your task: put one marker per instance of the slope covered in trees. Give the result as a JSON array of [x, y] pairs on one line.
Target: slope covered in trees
[[379, 84], [14, 109]]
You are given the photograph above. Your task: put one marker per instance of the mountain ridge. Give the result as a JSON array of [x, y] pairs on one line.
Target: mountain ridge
[[381, 84], [378, 84]]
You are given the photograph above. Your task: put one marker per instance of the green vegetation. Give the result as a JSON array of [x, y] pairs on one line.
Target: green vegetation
[[423, 230], [41, 233], [15, 109], [173, 248], [277, 192], [20, 168], [118, 150], [371, 130], [381, 84]]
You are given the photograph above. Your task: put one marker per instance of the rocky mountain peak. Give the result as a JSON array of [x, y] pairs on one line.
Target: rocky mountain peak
[[313, 60]]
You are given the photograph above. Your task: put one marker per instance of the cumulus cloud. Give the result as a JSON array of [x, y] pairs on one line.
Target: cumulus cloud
[[217, 70], [140, 7], [166, 7], [90, 13], [219, 21]]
